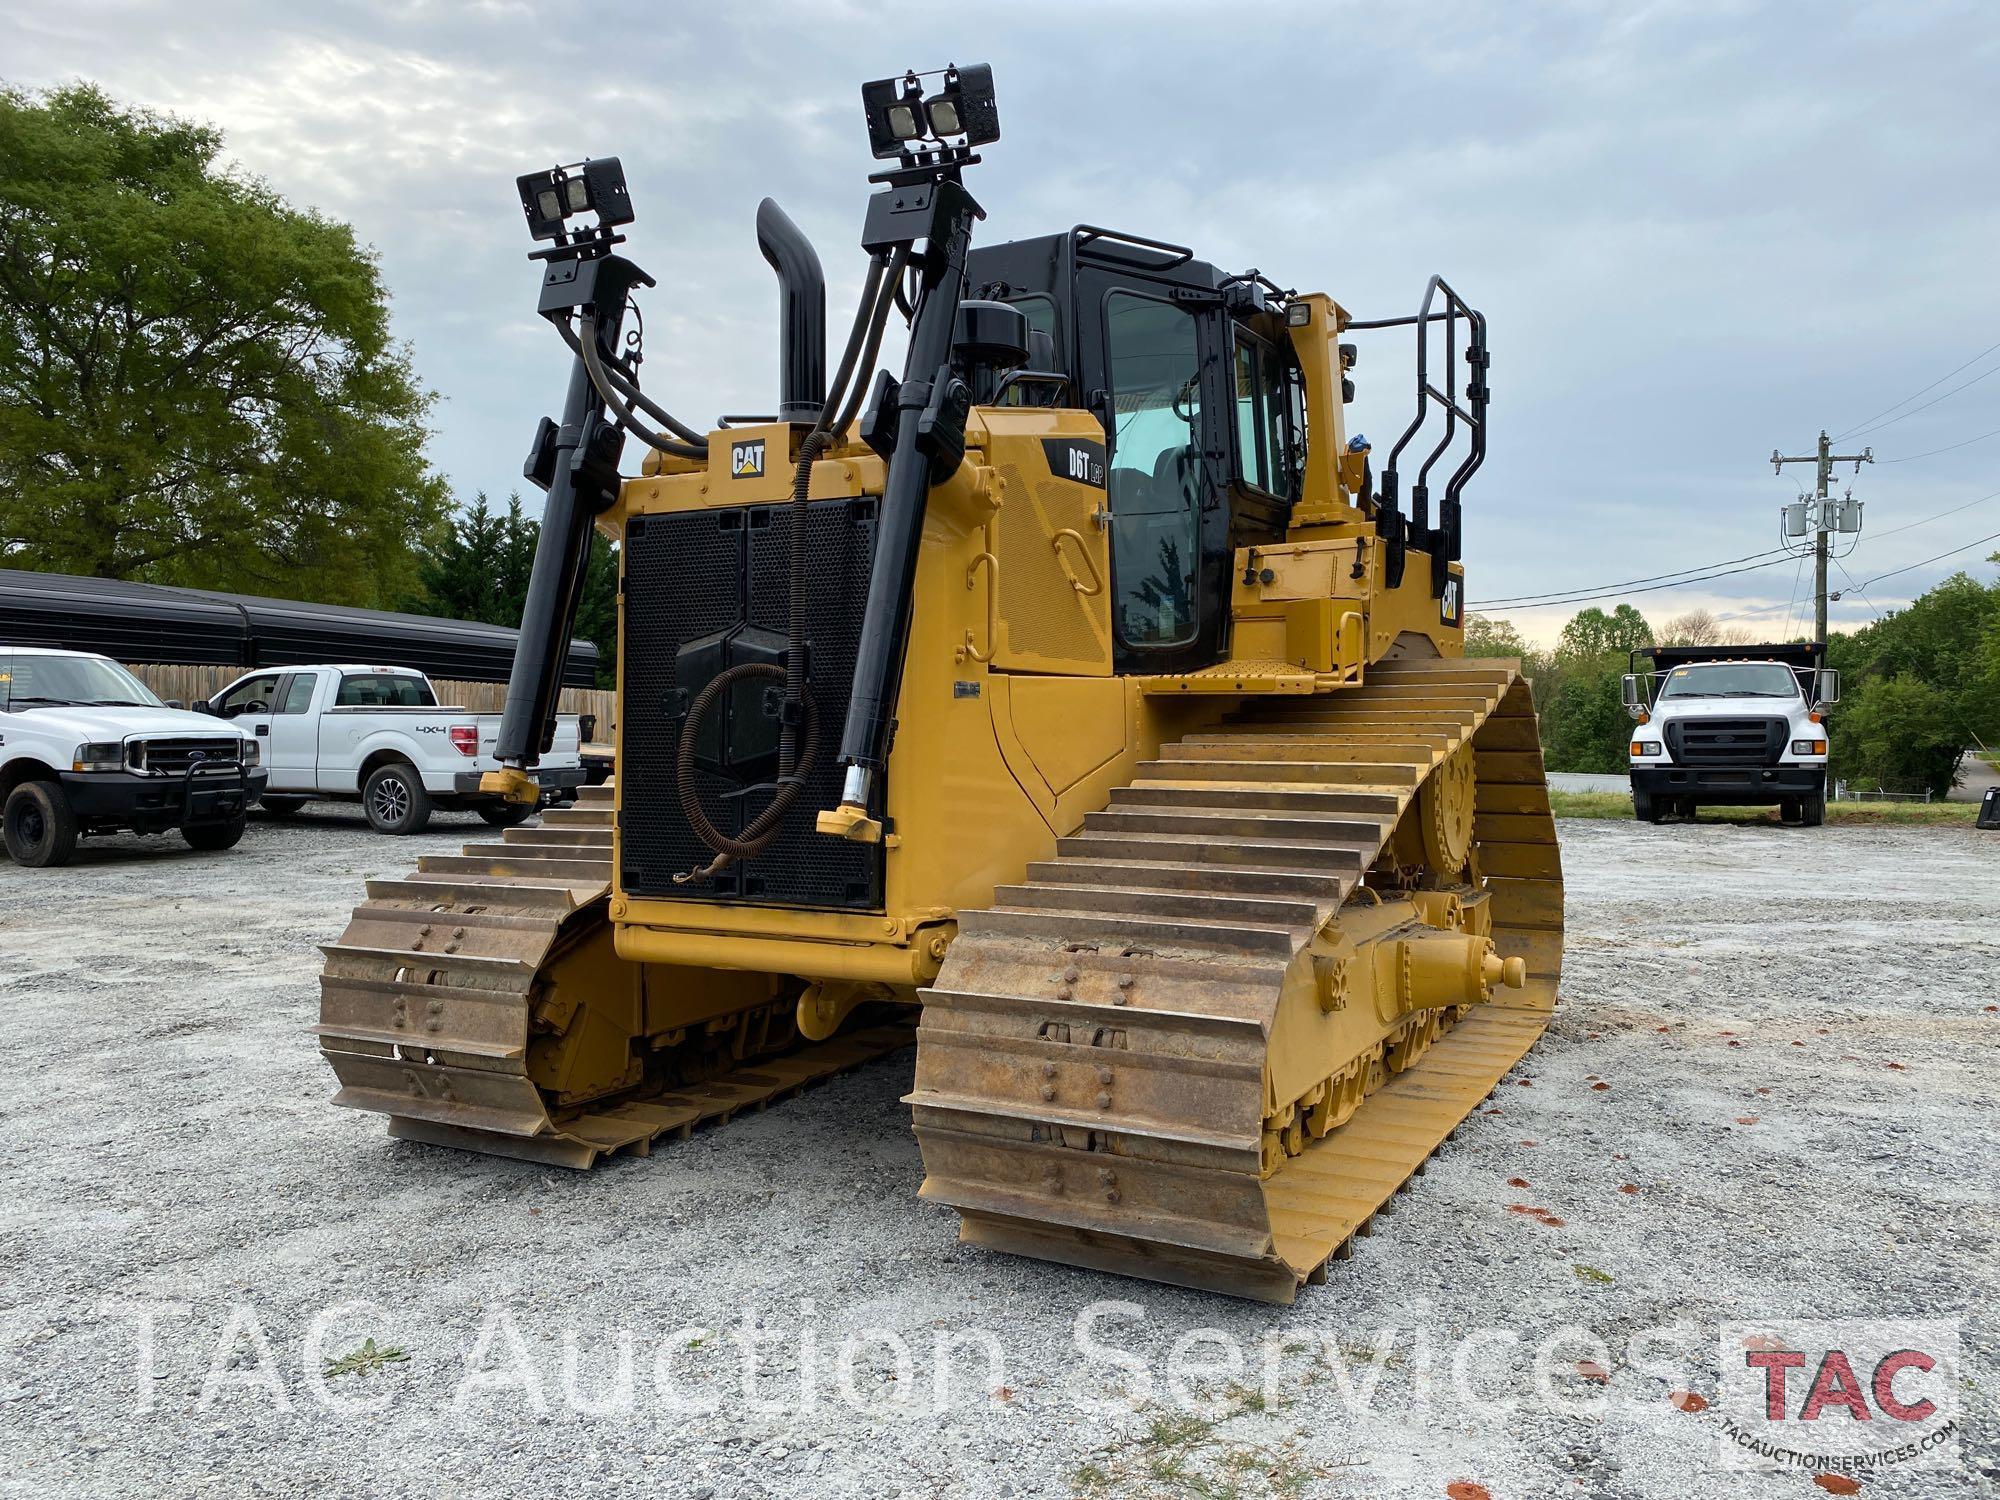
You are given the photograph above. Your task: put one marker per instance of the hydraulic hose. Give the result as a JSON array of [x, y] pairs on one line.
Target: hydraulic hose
[[612, 384], [798, 742]]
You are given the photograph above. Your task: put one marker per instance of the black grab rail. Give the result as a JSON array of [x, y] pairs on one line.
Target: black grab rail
[[1442, 542]]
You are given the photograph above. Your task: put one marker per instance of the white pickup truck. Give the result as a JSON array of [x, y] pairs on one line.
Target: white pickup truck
[[380, 735], [85, 748]]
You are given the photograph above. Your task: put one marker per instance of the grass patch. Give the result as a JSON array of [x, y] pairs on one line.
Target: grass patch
[[367, 1360], [1906, 814], [1182, 1455]]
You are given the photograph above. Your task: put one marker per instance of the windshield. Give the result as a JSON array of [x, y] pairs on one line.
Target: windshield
[[1737, 679], [32, 681]]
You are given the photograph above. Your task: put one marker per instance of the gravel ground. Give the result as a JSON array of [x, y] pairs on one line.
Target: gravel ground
[[1795, 1028]]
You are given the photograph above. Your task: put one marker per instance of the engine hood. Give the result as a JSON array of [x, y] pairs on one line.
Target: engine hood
[[90, 725]]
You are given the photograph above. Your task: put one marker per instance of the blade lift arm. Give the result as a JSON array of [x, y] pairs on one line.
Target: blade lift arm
[[917, 425]]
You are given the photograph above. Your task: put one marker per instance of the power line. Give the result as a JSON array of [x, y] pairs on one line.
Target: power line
[[1556, 595], [1914, 394], [1855, 586], [1862, 588], [1912, 458], [1913, 525], [1702, 572], [1615, 591], [1792, 603], [1867, 428]]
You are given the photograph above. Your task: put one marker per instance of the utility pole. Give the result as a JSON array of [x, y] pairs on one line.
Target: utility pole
[[1825, 459]]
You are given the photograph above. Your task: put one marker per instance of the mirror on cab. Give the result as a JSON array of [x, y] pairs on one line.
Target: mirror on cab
[[1828, 686], [1634, 686]]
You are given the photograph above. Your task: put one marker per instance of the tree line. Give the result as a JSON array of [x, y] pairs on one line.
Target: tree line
[[198, 386]]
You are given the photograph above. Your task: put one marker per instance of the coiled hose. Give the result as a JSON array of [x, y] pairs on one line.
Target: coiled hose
[[798, 743]]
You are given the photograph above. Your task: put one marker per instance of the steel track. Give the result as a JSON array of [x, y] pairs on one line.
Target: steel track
[[1092, 1059]]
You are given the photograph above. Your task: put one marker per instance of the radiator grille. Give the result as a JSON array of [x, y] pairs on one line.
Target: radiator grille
[[1736, 742], [689, 576], [165, 757]]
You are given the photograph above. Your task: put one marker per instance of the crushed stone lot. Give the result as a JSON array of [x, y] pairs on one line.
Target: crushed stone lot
[[1797, 1031]]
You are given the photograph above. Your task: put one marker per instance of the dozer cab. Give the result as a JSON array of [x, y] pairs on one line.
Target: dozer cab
[[1083, 695]]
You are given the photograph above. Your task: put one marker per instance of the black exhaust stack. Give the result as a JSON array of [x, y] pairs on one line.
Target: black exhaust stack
[[801, 311]]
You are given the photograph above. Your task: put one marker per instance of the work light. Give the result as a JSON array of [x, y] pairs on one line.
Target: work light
[[899, 115], [548, 198]]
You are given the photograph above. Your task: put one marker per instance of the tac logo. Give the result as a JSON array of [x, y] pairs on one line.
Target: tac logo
[[1451, 609], [746, 459], [1847, 1397]]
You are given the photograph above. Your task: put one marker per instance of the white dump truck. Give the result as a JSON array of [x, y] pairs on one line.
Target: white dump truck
[[1730, 726]]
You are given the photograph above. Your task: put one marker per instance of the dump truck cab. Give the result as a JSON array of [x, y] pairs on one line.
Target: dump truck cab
[[1730, 726]]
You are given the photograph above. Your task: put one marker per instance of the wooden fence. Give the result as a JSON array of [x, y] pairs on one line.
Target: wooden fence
[[188, 683]]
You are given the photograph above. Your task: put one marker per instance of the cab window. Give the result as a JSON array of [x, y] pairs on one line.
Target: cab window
[[1155, 484], [384, 690], [298, 693], [1267, 456], [250, 696]]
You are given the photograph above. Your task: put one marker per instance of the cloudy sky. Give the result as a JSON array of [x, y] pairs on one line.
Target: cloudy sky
[[1699, 230]]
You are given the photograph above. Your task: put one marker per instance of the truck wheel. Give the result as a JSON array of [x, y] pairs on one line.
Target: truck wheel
[[1789, 810], [39, 828], [505, 814], [395, 800], [1642, 807], [283, 807], [1812, 809], [212, 836]]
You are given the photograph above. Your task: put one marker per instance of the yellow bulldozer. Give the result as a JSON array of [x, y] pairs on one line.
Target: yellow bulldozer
[[1082, 705]]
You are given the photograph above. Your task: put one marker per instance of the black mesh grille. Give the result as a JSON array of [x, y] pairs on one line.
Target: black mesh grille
[[689, 576], [1734, 742], [172, 757]]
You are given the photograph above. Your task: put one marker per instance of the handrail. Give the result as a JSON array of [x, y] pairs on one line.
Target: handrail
[[1096, 578], [1085, 235], [1442, 542], [970, 651]]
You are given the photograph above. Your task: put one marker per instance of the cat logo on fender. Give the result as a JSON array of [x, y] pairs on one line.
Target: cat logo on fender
[[1076, 458], [746, 459], [1451, 611]]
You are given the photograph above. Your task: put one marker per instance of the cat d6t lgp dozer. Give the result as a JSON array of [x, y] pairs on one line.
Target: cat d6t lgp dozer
[[1085, 695]]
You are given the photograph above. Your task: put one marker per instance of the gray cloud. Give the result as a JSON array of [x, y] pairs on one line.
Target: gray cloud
[[1699, 230]]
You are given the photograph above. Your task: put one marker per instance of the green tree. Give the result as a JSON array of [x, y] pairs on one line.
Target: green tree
[[1898, 733], [1592, 635], [1486, 636], [478, 569], [1921, 686], [1584, 724], [197, 380]]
